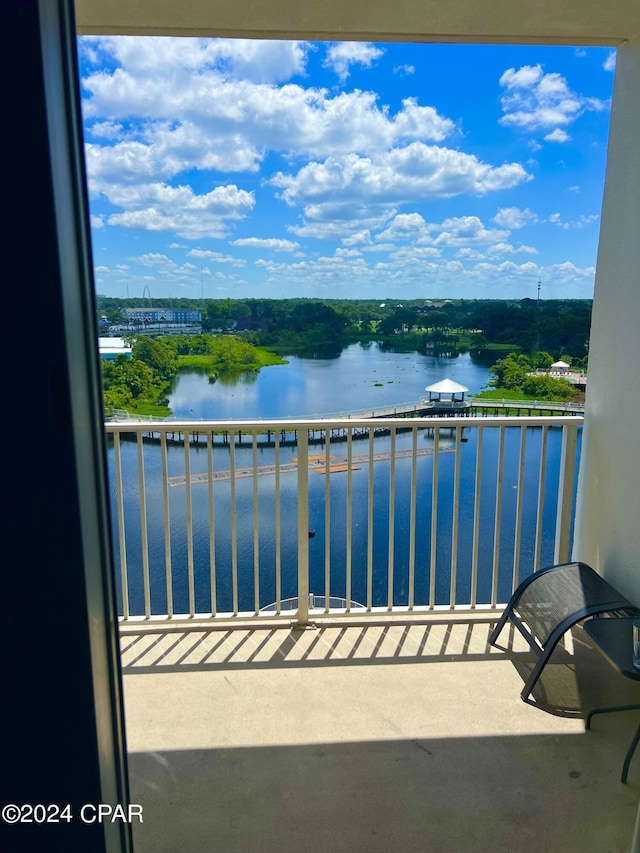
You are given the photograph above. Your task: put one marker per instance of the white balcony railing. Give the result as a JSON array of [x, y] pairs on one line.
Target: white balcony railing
[[284, 519]]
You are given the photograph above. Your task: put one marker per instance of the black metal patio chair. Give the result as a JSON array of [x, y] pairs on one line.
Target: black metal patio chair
[[549, 602]]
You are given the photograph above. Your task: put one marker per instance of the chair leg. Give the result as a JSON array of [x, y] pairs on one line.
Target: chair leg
[[536, 671], [608, 710], [629, 756], [501, 623], [634, 742]]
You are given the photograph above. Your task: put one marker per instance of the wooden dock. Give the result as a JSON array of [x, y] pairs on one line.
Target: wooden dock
[[317, 463]]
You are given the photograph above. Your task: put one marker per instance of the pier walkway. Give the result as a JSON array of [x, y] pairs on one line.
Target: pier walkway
[[329, 426], [470, 407]]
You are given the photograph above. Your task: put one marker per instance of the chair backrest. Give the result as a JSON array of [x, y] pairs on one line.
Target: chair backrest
[[564, 592]]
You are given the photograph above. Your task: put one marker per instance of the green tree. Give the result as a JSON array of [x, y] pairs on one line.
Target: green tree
[[159, 354], [547, 388], [511, 371]]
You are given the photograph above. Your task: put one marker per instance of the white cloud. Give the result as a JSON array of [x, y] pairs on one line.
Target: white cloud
[[380, 247], [163, 266], [514, 217], [534, 100], [582, 222], [155, 259], [369, 189], [409, 266], [610, 61], [250, 59], [466, 231], [557, 135], [158, 207], [470, 254], [508, 249], [215, 257], [341, 55], [415, 253], [360, 238], [527, 269], [203, 117], [266, 243], [106, 129], [404, 69], [335, 221], [524, 77], [568, 273], [405, 226]]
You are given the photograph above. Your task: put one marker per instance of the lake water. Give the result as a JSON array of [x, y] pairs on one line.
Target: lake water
[[361, 377]]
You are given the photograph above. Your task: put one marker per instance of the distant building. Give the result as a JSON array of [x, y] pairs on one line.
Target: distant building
[[111, 348], [164, 315]]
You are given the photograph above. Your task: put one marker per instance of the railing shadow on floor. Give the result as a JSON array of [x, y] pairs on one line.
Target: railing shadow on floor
[[195, 648]]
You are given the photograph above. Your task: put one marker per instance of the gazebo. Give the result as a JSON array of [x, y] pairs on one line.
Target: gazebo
[[446, 391], [559, 367]]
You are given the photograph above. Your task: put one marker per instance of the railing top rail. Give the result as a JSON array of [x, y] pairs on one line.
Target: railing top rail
[[341, 423], [379, 412]]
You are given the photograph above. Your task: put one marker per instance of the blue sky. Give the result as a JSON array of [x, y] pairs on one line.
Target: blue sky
[[235, 168]]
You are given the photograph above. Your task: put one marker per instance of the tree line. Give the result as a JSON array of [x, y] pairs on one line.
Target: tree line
[[552, 325], [537, 334], [142, 382]]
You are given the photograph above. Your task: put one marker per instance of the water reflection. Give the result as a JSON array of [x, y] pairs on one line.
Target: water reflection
[[363, 376]]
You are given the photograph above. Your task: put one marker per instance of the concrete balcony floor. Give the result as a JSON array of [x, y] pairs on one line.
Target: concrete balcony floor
[[377, 737]]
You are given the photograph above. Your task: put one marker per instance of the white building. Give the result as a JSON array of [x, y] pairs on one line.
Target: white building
[[111, 348], [164, 315]]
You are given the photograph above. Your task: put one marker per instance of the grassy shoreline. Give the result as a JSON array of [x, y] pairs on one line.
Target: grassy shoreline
[[265, 358], [514, 394], [209, 363]]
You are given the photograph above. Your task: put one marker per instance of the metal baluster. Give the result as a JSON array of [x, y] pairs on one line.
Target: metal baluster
[[144, 537], [540, 510], [121, 528], [167, 523], [189, 524], [476, 519]]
